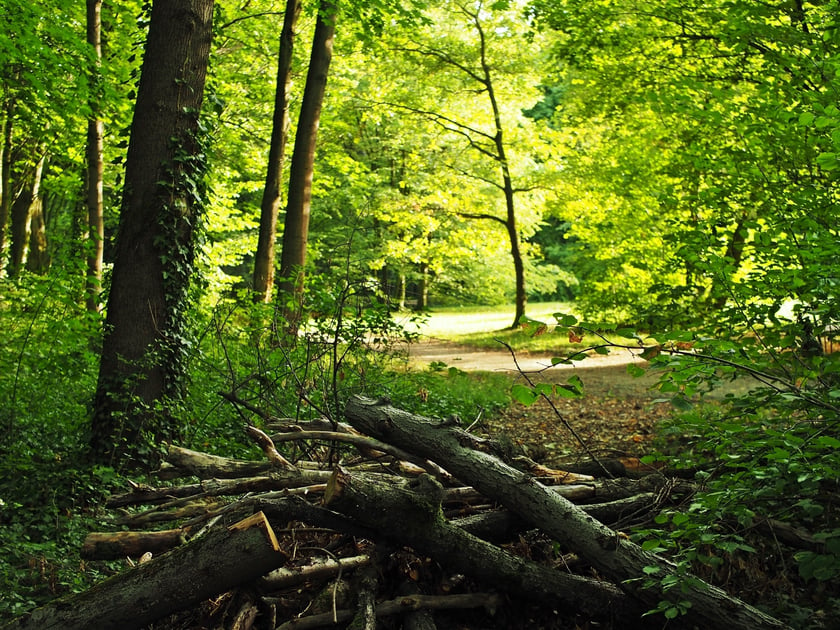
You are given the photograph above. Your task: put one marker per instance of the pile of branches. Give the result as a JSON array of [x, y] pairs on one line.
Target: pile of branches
[[425, 519]]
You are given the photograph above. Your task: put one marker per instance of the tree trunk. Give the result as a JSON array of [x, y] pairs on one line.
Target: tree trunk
[[21, 212], [5, 176], [207, 566], [270, 206], [507, 180], [142, 354], [95, 170], [611, 554], [296, 225], [38, 259]]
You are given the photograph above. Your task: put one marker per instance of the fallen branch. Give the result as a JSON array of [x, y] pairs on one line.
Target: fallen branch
[[180, 579], [611, 554]]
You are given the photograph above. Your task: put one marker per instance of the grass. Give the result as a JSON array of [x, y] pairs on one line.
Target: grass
[[484, 327]]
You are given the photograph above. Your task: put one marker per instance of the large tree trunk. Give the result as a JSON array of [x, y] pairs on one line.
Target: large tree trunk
[[296, 224], [142, 353], [270, 207], [610, 554], [94, 171]]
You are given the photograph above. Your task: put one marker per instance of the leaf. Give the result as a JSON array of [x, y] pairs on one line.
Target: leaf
[[565, 320], [651, 352], [627, 333], [523, 395], [635, 371]]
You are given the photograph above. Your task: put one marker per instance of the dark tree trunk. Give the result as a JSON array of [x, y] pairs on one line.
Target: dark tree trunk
[[142, 360], [270, 207], [296, 225], [94, 171]]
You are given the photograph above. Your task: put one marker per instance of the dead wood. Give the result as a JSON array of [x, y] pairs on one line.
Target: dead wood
[[318, 569], [368, 446], [113, 545], [180, 579], [409, 514], [610, 553], [398, 606]]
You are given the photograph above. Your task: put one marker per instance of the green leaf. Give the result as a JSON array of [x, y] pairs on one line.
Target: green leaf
[[634, 370], [565, 320], [523, 395]]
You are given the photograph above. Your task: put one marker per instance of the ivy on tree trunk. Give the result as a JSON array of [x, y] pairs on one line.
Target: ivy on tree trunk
[[142, 363]]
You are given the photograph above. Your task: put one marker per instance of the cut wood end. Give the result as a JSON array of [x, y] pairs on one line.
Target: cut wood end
[[335, 484], [257, 520]]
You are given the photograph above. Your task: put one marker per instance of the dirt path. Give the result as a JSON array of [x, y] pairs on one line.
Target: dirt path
[[618, 415], [604, 375]]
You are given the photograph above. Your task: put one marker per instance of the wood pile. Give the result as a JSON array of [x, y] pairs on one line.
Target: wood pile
[[410, 520]]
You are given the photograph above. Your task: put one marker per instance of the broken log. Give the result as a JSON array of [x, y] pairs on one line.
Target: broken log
[[113, 545], [212, 564], [639, 572], [410, 514]]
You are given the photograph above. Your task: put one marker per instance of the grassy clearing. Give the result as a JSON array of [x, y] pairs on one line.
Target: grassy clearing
[[484, 327]]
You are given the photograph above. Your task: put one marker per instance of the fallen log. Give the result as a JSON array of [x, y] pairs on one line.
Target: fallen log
[[400, 605], [639, 572], [112, 545], [410, 515], [204, 567]]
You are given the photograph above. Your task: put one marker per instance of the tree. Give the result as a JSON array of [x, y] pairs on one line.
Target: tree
[[271, 199], [743, 157], [477, 57], [142, 361], [95, 168], [296, 222]]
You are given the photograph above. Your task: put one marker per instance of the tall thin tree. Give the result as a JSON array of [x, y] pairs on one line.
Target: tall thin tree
[[296, 224], [95, 168], [271, 199]]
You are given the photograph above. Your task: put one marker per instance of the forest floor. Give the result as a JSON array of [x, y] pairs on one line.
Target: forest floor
[[616, 417]]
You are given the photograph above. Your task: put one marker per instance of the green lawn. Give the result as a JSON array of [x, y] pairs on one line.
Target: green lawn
[[483, 326]]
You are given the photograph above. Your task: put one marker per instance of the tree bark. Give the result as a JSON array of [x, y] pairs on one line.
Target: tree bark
[[142, 354], [296, 224], [95, 169], [21, 212], [410, 515], [37, 259], [6, 174], [611, 554], [270, 206], [187, 575]]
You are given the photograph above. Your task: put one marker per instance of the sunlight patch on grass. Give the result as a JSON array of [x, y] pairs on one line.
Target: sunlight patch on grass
[[455, 322]]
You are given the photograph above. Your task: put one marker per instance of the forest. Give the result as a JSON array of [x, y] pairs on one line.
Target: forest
[[224, 225]]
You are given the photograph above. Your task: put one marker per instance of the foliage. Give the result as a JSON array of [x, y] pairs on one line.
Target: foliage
[[47, 492], [768, 456]]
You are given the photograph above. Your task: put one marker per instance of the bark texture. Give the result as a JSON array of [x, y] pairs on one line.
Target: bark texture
[[140, 355], [296, 223], [271, 199], [182, 578], [610, 553]]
